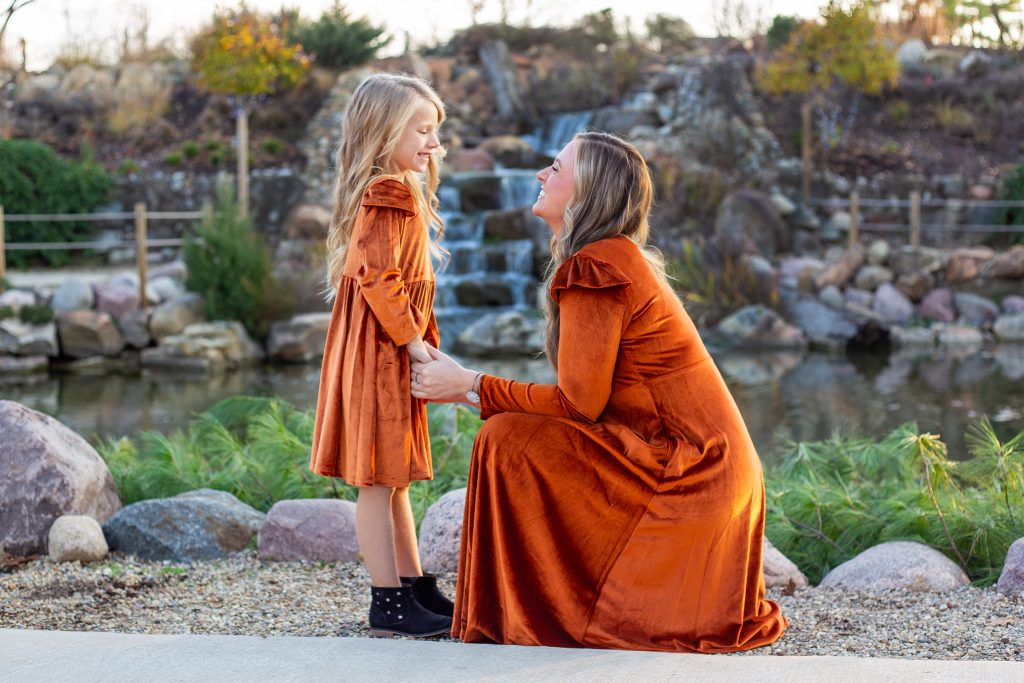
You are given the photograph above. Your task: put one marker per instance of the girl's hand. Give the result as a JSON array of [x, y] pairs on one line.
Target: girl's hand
[[417, 349], [441, 380]]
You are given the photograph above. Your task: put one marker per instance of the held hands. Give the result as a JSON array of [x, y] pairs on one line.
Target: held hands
[[417, 350], [440, 379]]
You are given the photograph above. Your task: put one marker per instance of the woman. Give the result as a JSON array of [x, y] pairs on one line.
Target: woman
[[624, 506]]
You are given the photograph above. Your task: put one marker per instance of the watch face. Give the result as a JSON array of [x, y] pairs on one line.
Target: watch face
[[473, 397]]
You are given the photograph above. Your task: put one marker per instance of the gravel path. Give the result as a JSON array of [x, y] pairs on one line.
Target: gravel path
[[245, 596]]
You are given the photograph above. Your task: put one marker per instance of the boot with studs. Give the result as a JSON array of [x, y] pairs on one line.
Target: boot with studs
[[426, 592], [395, 612]]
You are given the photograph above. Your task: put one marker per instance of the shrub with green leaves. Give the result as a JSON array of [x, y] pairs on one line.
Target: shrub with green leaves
[[830, 500], [337, 40], [258, 449], [1012, 189], [35, 314], [229, 265], [781, 29], [36, 180]]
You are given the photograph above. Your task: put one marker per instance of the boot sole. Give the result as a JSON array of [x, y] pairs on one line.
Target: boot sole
[[386, 633]]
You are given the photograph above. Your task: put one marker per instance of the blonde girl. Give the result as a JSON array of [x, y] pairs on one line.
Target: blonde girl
[[369, 430]]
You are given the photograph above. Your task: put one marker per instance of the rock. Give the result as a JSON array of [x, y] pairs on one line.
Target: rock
[[858, 297], [485, 291], [88, 333], [878, 252], [72, 296], [116, 300], [898, 565], [912, 336], [322, 530], [1009, 328], [1011, 579], [751, 214], [173, 269], [89, 82], [975, 309], [501, 74], [16, 299], [22, 339], [757, 369], [840, 271], [779, 570], [135, 328], [441, 533], [838, 223], [759, 326], [300, 339], [907, 260], [510, 333], [911, 53], [870, 277], [461, 160], [915, 285], [513, 224], [172, 317], [23, 365], [206, 346], [478, 191], [938, 305], [1013, 304], [891, 305], [189, 527], [974, 64], [76, 538], [960, 335], [782, 204], [38, 87], [965, 263], [511, 151], [1009, 265], [801, 268], [308, 222], [831, 296], [160, 289], [822, 325], [48, 471]]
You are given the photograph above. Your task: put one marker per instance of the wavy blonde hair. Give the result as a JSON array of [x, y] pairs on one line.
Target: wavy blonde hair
[[374, 121], [612, 194]]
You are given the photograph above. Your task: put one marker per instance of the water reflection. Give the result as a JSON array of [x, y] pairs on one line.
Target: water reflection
[[787, 395]]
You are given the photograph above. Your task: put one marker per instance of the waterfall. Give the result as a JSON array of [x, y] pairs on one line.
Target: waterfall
[[558, 129], [519, 187]]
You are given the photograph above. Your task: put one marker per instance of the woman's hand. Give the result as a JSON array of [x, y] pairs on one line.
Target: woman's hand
[[417, 350], [441, 380]]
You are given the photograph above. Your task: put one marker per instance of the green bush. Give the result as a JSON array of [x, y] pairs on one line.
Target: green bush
[[830, 500], [229, 265], [173, 159], [258, 449], [1012, 189], [781, 29], [272, 146], [337, 40], [36, 180], [127, 167], [6, 312], [190, 150], [36, 314]]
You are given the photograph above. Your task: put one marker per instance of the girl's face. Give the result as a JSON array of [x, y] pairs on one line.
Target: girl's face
[[418, 140], [556, 188]]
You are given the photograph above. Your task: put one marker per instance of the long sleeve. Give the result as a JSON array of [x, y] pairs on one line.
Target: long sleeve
[[387, 206], [593, 315]]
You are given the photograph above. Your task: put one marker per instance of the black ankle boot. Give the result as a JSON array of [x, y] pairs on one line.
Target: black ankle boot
[[395, 612], [426, 592]]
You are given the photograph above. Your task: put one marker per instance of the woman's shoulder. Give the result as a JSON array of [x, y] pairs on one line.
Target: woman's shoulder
[[389, 192], [598, 265]]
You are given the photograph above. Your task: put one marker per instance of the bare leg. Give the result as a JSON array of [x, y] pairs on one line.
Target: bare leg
[[407, 555], [376, 535]]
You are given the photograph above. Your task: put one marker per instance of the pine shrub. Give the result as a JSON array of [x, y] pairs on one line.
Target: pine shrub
[[338, 40]]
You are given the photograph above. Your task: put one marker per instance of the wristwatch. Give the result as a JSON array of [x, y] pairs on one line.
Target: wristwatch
[[473, 395]]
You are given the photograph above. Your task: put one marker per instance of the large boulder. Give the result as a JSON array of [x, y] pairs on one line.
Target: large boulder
[[915, 285], [513, 224], [512, 151], [1009, 264], [911, 53], [441, 533], [759, 326], [308, 222], [76, 538], [89, 333], [1011, 579], [22, 339], [172, 317], [116, 300], [163, 288], [73, 294], [898, 565], [300, 339], [491, 290], [870, 277], [197, 525], [310, 530], [751, 214], [892, 305], [937, 305], [1009, 328], [779, 570], [478, 191], [48, 471], [965, 263], [838, 272], [206, 346], [906, 260], [823, 326], [135, 328], [511, 333], [975, 309], [463, 160]]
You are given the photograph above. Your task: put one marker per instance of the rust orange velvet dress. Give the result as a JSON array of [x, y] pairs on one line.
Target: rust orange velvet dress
[[624, 506], [369, 429]]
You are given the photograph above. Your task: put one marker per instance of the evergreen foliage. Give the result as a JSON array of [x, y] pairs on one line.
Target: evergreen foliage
[[36, 180], [229, 265], [830, 500], [336, 39], [1012, 189], [780, 31]]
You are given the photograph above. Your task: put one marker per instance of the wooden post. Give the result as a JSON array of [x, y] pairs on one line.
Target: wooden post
[[3, 249], [243, 162], [805, 144], [24, 55], [854, 218], [915, 219], [141, 251]]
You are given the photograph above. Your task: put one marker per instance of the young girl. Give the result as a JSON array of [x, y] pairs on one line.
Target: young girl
[[369, 430]]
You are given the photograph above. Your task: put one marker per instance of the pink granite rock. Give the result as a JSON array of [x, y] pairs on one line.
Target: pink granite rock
[[441, 533], [312, 529]]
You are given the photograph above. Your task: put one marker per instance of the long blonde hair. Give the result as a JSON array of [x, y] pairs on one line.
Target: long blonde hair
[[374, 121], [612, 193]]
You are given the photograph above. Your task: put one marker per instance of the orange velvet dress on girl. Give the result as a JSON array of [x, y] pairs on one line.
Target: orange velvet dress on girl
[[369, 429], [623, 507]]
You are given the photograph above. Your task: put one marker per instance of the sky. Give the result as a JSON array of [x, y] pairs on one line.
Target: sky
[[48, 24]]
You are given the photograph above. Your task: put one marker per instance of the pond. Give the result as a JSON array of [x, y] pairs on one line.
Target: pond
[[800, 396]]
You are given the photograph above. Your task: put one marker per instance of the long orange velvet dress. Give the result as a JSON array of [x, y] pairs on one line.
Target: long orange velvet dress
[[369, 429], [624, 506]]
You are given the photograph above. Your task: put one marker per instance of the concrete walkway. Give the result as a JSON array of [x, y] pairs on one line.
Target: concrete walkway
[[27, 656]]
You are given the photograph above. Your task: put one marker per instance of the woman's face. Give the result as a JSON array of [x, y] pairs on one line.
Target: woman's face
[[556, 188], [419, 139]]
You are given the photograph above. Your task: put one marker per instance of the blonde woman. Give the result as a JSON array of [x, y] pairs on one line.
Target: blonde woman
[[622, 507], [369, 431]]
